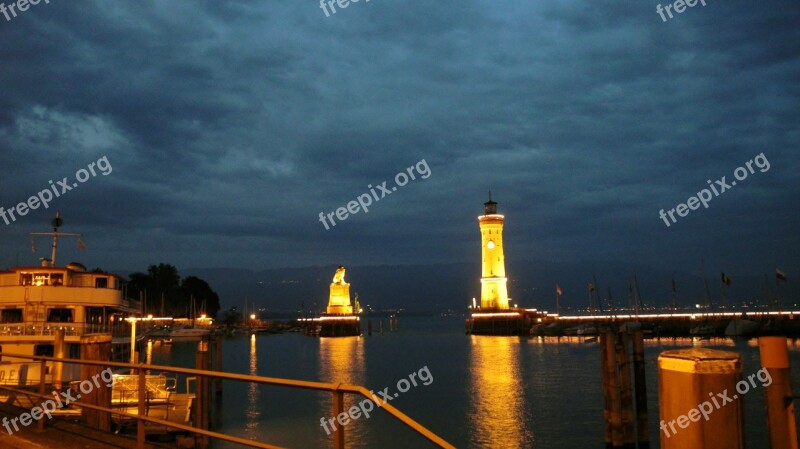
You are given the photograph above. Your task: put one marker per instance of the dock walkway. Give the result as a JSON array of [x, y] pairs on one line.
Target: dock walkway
[[62, 434]]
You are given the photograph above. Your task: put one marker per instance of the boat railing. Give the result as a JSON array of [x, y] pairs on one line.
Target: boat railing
[[71, 329], [201, 397]]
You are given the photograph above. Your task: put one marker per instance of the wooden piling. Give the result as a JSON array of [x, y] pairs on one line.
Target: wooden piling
[[692, 413], [778, 394], [625, 391], [604, 372], [95, 347], [643, 435], [615, 415]]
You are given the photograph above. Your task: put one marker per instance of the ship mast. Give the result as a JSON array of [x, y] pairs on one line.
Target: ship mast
[[57, 222]]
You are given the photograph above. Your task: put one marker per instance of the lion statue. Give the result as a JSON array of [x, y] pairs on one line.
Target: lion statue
[[338, 278]]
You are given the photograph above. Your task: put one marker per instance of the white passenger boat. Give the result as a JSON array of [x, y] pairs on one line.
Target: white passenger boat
[[36, 302]]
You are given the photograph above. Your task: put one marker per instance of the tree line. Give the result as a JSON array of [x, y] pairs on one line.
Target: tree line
[[166, 294]]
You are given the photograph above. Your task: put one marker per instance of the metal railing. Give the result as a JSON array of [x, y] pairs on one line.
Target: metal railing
[[48, 328], [337, 389]]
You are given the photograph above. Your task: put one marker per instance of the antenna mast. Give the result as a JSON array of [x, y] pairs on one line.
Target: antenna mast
[[57, 222]]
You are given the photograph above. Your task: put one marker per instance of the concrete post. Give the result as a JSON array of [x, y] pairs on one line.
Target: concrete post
[[778, 394], [699, 407]]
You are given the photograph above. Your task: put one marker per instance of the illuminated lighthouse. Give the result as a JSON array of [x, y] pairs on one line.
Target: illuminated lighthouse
[[494, 315], [494, 294]]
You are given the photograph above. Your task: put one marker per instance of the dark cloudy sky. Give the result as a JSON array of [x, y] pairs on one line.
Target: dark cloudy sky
[[230, 125]]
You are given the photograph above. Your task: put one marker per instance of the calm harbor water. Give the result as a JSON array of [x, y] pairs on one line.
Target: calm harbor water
[[487, 392]]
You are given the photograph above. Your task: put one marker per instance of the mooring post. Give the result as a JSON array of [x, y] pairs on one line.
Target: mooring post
[[626, 393], [615, 417], [643, 435], [604, 336], [699, 407], [778, 394], [338, 408], [96, 347]]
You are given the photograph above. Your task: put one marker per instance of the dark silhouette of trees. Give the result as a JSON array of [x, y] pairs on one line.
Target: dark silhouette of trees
[[167, 295]]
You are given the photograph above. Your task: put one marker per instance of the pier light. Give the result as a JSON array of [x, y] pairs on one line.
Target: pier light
[[252, 316]]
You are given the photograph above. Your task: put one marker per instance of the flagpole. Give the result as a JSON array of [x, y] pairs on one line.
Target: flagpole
[[557, 308], [597, 293], [674, 295]]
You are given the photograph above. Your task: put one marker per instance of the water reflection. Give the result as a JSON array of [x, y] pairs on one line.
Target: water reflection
[[252, 413], [341, 359], [497, 408], [149, 357]]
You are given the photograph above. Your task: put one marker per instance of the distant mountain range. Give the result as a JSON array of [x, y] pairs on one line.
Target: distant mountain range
[[441, 287]]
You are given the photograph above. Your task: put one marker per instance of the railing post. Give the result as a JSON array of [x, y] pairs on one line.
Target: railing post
[[218, 367], [338, 407], [42, 376], [140, 431], [202, 389]]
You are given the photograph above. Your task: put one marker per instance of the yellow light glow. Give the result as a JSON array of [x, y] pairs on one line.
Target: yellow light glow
[[339, 302], [494, 293], [495, 386], [252, 316]]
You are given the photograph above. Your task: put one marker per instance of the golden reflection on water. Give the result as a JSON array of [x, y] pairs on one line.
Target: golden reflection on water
[[252, 413], [497, 407], [341, 359], [149, 358]]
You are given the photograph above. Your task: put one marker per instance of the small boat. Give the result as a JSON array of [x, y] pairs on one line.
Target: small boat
[[189, 332], [741, 327], [703, 330]]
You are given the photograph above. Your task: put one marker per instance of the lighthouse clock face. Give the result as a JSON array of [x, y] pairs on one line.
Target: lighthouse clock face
[[490, 245]]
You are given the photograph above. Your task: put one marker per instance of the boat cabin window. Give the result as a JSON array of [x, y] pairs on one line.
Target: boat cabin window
[[43, 350], [39, 279], [11, 316], [94, 315], [59, 315], [101, 282]]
